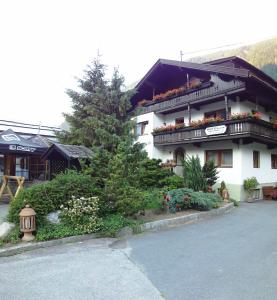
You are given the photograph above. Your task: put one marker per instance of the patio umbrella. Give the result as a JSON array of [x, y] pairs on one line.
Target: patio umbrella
[[10, 142]]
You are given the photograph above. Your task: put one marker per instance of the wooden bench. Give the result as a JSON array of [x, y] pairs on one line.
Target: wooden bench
[[267, 192]]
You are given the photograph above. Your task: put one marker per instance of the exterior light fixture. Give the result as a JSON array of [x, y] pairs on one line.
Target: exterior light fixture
[[27, 223]]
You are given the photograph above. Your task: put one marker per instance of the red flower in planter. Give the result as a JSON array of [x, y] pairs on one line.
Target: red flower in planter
[[167, 198]]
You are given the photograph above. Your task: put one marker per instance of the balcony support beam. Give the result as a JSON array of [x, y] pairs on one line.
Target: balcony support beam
[[189, 112], [226, 107]]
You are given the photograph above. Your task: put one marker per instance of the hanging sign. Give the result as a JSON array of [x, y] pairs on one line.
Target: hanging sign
[[216, 130]]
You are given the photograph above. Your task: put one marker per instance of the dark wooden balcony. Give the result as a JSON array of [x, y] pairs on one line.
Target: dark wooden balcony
[[210, 90], [248, 130]]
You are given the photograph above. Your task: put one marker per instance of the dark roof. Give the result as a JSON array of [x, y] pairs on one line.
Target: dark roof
[[167, 74], [241, 63], [195, 66], [68, 151], [41, 140]]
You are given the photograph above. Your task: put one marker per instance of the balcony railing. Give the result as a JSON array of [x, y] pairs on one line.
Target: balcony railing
[[230, 129], [212, 90]]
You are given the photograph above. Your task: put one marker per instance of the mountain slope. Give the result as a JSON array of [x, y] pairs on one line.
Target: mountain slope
[[262, 55]]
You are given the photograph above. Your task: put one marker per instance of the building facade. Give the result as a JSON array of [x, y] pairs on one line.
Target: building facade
[[224, 110]]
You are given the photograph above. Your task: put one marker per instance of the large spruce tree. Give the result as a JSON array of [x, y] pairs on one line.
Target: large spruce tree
[[99, 117]]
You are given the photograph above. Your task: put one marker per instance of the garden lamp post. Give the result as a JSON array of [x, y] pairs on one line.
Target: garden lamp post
[[27, 223]]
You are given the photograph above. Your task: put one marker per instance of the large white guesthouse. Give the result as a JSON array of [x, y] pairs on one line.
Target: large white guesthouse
[[225, 110]]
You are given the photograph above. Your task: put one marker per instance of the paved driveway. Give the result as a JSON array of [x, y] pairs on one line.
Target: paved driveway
[[3, 212], [228, 257]]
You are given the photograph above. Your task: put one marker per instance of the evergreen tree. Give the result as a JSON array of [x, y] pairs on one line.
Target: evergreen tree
[[99, 117]]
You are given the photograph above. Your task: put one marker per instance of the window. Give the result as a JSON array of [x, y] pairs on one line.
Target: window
[[21, 166], [221, 113], [256, 159], [141, 128], [274, 161], [221, 158], [179, 121]]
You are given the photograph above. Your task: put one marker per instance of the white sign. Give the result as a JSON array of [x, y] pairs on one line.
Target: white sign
[[10, 137], [22, 148], [216, 130]]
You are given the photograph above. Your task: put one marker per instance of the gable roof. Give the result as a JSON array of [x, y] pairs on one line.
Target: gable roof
[[168, 74], [68, 151], [196, 66], [241, 63]]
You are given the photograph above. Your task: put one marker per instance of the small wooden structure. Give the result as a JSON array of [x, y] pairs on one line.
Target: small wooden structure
[[62, 157], [6, 187]]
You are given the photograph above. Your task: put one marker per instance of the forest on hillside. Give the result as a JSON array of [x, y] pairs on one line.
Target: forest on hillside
[[262, 55]]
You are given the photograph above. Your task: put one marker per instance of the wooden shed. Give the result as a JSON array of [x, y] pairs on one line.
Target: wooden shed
[[62, 157]]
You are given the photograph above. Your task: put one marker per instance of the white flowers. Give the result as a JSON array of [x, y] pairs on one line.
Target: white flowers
[[81, 213]]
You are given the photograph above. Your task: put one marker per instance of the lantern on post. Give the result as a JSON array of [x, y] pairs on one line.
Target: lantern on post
[[27, 223]]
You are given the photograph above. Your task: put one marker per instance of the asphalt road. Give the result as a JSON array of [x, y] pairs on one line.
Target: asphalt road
[[230, 257], [89, 270], [227, 257]]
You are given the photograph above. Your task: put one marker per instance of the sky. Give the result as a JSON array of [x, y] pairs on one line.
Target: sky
[[45, 45]]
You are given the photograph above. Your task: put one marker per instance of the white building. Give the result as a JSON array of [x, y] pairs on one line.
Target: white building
[[222, 110]]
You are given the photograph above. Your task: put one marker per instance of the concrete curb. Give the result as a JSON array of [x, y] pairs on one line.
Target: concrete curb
[[123, 233], [23, 247], [168, 223]]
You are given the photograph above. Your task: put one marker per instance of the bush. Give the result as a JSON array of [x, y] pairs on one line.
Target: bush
[[51, 231], [81, 213], [112, 224], [210, 172], [193, 175], [13, 236], [49, 196], [250, 183], [153, 199], [172, 182], [179, 199], [152, 174]]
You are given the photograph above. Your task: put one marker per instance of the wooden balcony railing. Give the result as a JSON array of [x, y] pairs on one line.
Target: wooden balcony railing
[[209, 90], [234, 129]]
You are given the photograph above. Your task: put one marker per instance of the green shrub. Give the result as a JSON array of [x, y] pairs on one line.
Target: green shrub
[[13, 236], [204, 201], [153, 199], [49, 196], [249, 184], [193, 175], [152, 174], [81, 213], [210, 172], [179, 199], [112, 224], [172, 182], [50, 231]]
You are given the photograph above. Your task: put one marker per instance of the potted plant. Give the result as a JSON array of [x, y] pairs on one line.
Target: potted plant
[[249, 185]]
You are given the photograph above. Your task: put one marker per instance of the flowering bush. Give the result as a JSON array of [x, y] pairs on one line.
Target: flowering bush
[[205, 121], [170, 127], [244, 115], [193, 84], [81, 213]]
